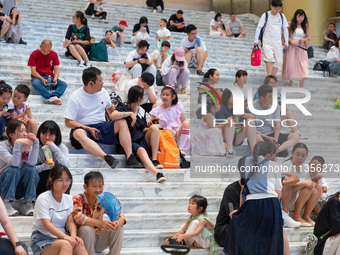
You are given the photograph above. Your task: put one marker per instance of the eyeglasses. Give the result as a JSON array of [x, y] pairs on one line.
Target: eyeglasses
[[62, 181]]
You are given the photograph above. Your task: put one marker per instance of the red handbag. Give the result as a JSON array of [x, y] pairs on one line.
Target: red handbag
[[255, 59]]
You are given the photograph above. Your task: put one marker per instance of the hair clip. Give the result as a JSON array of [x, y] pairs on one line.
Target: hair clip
[[170, 86]]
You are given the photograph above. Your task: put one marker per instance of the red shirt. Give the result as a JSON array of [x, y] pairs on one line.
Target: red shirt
[[44, 63]]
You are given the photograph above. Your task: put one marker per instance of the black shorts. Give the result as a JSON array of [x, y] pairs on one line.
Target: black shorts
[[236, 35], [282, 138], [106, 134]]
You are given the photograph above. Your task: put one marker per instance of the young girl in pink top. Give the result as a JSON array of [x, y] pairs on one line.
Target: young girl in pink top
[[171, 117]]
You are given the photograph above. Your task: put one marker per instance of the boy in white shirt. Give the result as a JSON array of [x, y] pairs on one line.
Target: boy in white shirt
[[274, 24], [163, 34]]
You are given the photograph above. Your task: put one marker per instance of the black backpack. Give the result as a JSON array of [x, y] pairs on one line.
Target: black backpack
[[264, 27], [322, 65]]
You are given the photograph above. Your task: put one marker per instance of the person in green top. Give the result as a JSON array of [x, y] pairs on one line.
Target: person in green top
[[118, 35], [197, 231]]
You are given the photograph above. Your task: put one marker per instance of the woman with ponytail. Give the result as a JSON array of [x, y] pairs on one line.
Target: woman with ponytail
[[258, 222], [77, 39]]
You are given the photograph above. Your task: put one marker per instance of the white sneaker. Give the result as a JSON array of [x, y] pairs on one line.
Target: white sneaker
[[103, 21], [290, 223], [54, 100], [92, 17], [163, 12], [82, 64], [230, 153], [28, 208], [10, 210], [154, 11], [88, 64]]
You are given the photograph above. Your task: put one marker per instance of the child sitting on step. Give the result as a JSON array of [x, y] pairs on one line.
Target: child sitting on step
[[208, 137], [171, 117], [5, 114], [198, 229], [22, 111]]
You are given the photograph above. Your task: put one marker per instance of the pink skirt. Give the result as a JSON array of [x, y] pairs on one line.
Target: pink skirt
[[295, 64]]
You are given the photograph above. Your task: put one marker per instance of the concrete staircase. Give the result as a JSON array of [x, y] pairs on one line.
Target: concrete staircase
[[156, 211]]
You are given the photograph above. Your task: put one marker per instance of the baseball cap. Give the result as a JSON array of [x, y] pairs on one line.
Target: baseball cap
[[179, 54], [123, 22]]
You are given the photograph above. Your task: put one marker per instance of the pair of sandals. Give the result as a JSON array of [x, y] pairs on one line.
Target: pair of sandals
[[175, 248]]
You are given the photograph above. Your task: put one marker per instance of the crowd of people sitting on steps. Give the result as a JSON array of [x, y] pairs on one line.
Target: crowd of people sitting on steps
[[31, 183]]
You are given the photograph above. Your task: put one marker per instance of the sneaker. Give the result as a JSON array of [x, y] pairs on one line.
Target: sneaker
[[81, 63], [103, 21], [28, 208], [92, 17], [200, 72], [88, 64], [22, 42], [2, 40], [10, 210], [283, 154], [10, 40], [54, 100], [290, 223], [111, 161], [132, 162], [156, 163], [154, 11], [230, 153], [160, 177], [163, 12]]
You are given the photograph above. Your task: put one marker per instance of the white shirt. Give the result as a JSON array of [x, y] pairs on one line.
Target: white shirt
[[198, 42], [97, 6], [46, 207], [166, 66], [133, 54], [215, 23], [273, 29], [163, 32], [132, 83], [86, 108], [331, 55]]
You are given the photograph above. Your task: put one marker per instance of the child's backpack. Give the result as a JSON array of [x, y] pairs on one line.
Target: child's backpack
[[168, 152], [264, 27]]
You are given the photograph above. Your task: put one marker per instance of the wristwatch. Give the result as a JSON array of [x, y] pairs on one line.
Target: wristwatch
[[16, 244]]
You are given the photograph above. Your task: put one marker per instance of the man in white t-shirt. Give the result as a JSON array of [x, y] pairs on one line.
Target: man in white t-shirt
[[146, 82], [85, 115], [138, 61], [235, 27], [273, 29], [195, 51]]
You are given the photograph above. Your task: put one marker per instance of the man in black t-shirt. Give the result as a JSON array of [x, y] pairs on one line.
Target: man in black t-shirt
[[230, 202], [176, 22], [4, 24]]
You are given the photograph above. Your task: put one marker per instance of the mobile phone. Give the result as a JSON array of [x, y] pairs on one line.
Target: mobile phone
[[96, 134], [10, 110], [190, 48]]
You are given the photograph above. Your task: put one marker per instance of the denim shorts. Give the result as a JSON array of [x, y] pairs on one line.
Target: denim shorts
[[39, 241]]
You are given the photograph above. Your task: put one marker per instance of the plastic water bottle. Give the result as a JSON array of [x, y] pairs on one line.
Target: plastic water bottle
[[49, 83]]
